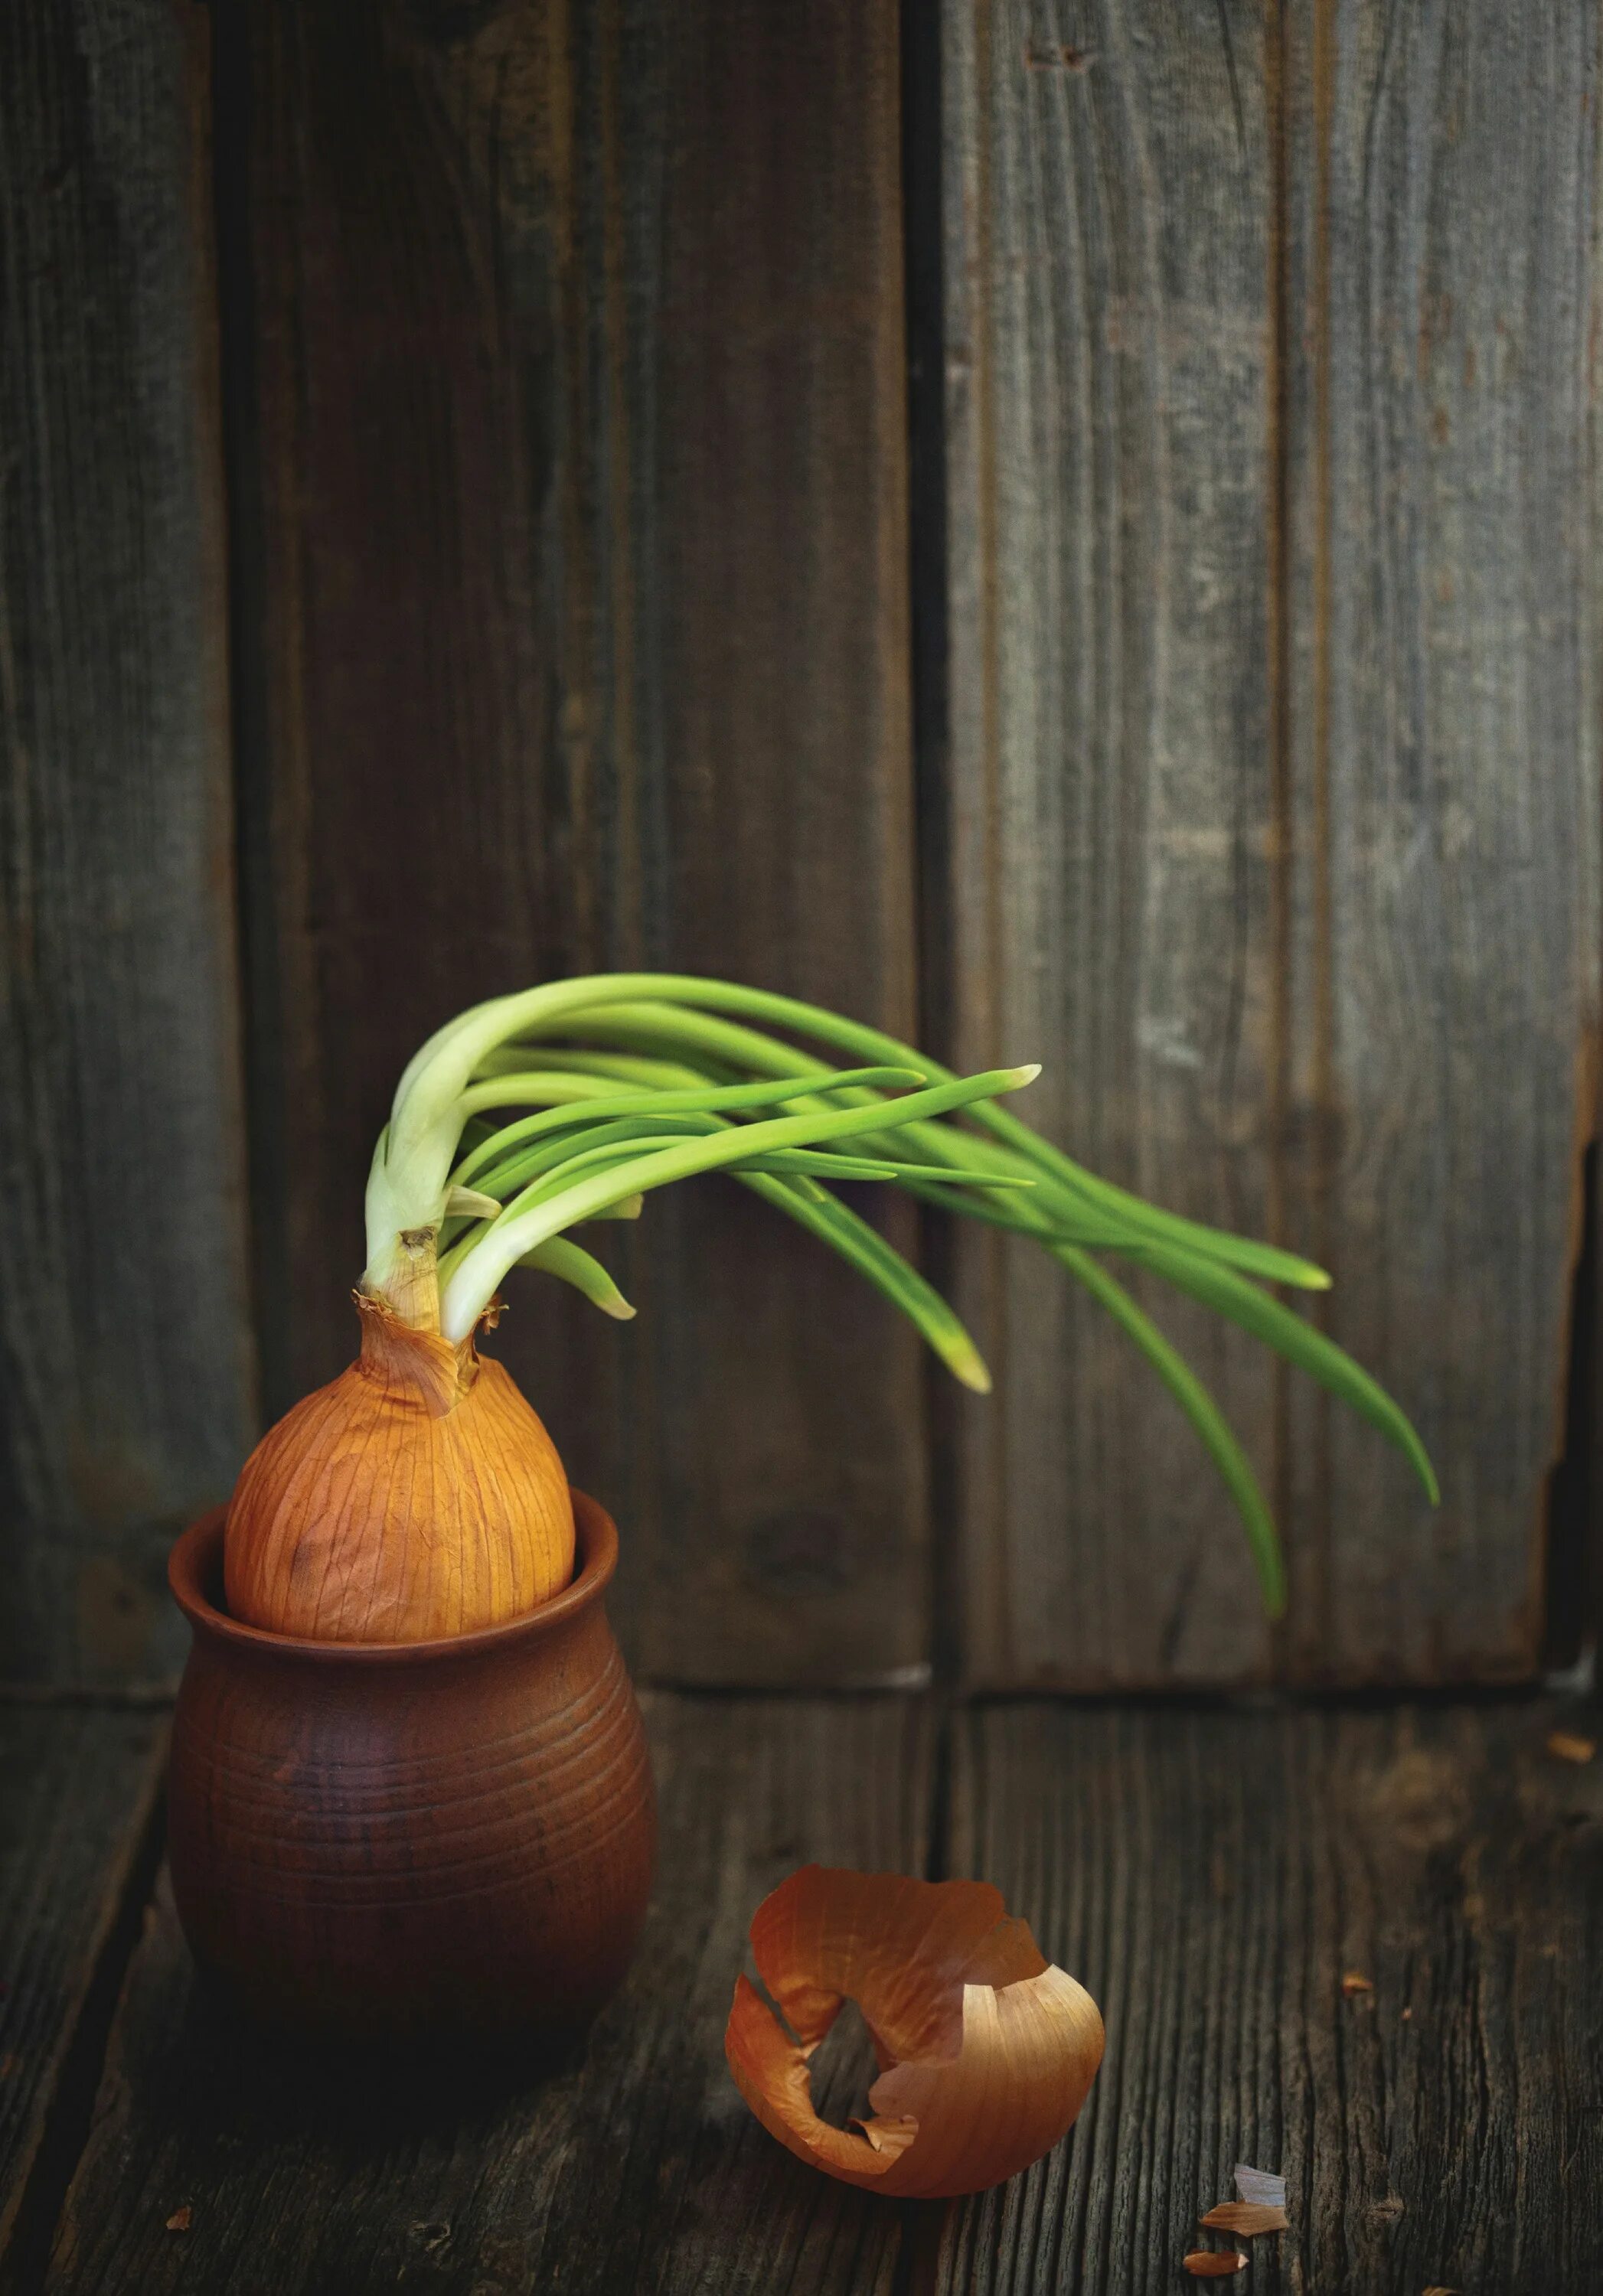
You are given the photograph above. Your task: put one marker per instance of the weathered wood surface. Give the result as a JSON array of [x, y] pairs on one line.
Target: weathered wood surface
[[126, 1403], [1108, 205], [78, 1789], [1274, 830], [1212, 1877], [569, 465], [1441, 1070], [636, 2166]]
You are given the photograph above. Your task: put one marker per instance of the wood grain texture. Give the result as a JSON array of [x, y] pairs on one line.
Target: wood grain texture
[[1272, 588], [1211, 1877], [634, 2165], [570, 457], [128, 1380], [78, 1788], [1444, 795], [1107, 222]]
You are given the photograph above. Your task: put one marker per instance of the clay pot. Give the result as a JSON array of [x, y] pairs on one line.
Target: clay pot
[[443, 1840]]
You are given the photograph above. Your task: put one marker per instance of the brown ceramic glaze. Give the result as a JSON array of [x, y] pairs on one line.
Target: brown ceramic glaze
[[373, 1840]]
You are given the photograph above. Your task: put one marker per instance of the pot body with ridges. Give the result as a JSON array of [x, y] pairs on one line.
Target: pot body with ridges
[[447, 1839]]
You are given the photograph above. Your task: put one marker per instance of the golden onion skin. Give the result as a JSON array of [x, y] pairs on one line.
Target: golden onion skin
[[987, 2053], [417, 1496]]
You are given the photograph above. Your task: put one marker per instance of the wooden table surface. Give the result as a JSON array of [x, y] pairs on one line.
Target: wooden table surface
[[1213, 1873]]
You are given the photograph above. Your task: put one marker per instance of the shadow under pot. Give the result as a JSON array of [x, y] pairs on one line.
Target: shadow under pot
[[448, 1839]]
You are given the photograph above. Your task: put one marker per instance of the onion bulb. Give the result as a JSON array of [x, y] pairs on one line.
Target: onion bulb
[[986, 2051], [416, 1496]]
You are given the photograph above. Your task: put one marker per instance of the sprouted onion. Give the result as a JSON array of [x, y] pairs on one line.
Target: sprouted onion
[[419, 1495]]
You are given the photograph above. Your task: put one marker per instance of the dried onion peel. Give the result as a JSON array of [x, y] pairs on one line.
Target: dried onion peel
[[987, 2053], [1247, 2217]]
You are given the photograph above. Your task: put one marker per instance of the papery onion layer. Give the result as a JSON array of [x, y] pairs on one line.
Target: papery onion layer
[[986, 2051], [414, 1497]]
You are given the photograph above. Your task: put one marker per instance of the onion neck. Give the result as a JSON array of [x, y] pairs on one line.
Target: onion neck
[[413, 1362], [407, 1283]]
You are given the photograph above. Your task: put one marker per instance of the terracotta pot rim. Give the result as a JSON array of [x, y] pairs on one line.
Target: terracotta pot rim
[[197, 1554]]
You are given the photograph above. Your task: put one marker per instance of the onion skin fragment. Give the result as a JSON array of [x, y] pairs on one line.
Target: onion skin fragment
[[987, 2053], [1248, 2217], [415, 1497]]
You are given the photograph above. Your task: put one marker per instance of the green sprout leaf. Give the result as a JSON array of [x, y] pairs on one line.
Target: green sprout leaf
[[634, 1081], [559, 1257], [1202, 1411]]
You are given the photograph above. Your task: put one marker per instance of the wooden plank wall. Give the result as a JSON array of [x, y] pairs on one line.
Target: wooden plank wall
[[1274, 758], [1442, 792], [564, 412], [125, 1357], [574, 610]]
